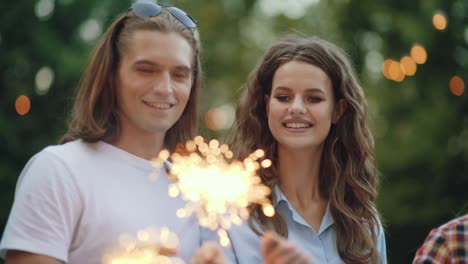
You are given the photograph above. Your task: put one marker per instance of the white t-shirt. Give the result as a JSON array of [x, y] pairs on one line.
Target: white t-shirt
[[73, 201]]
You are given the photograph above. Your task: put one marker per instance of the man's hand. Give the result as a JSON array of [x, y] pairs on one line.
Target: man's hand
[[277, 250], [209, 253]]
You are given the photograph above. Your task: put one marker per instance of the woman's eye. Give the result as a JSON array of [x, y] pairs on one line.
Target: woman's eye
[[282, 98], [314, 99]]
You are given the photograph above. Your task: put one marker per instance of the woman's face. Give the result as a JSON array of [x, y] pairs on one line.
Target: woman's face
[[301, 105]]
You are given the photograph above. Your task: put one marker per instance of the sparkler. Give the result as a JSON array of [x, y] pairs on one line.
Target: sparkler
[[217, 191], [148, 247]]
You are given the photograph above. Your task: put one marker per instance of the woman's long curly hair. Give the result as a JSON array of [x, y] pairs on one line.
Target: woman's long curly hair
[[348, 175], [95, 112]]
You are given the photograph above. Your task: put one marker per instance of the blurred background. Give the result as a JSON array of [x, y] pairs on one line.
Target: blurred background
[[411, 56]]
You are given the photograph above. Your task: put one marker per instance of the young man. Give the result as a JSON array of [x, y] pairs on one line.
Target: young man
[[137, 96]]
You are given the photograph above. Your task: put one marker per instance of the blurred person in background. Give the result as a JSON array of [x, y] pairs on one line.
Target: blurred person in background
[[447, 243]]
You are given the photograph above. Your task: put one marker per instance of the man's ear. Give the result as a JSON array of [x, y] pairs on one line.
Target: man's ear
[[340, 109], [267, 100]]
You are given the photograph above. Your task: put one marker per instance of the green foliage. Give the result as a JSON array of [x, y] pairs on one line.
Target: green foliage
[[421, 128]]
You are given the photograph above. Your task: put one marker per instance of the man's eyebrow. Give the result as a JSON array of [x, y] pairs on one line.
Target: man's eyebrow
[[153, 63], [183, 68], [146, 62]]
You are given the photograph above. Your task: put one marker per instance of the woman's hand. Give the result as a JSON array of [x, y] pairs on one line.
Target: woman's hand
[[277, 250], [209, 253]]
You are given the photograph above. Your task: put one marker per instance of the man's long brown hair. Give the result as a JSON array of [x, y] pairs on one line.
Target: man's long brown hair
[[94, 114], [348, 175]]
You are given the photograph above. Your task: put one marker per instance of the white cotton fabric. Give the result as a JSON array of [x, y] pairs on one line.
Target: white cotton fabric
[[73, 201]]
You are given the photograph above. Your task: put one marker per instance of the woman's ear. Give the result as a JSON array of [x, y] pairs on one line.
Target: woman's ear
[[340, 109]]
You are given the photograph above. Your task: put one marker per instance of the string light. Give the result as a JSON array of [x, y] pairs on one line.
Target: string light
[[439, 21], [418, 54], [457, 85], [22, 105]]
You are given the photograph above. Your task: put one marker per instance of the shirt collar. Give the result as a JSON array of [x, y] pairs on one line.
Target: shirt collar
[[278, 197]]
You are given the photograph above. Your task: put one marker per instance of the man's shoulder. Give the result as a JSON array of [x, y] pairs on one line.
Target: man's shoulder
[[71, 148], [452, 232], [453, 224], [70, 152]]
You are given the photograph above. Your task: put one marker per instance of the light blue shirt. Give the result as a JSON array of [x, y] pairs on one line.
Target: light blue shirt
[[319, 245]]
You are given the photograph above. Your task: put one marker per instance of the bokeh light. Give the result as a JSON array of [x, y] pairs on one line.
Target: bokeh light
[[373, 60], [218, 118], [44, 9], [22, 105], [457, 85], [293, 9], [90, 30], [439, 21], [418, 54], [392, 70], [44, 79], [466, 35], [386, 67], [408, 66]]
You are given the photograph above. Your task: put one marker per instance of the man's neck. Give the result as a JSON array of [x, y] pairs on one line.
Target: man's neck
[[145, 146]]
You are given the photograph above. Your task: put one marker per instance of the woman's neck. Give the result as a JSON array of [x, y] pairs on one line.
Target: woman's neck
[[299, 175], [299, 181]]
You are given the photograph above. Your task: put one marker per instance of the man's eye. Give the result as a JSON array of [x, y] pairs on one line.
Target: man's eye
[[145, 70], [181, 75]]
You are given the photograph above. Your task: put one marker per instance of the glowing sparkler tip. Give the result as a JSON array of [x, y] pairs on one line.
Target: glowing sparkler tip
[[164, 154], [217, 190], [268, 210], [214, 144], [259, 153], [147, 247], [181, 213], [173, 190], [229, 154], [191, 146], [266, 163], [224, 148], [198, 140]]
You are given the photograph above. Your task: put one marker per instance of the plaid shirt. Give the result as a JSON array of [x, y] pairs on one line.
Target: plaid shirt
[[446, 244]]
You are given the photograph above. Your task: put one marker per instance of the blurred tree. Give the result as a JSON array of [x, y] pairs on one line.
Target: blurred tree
[[421, 128]]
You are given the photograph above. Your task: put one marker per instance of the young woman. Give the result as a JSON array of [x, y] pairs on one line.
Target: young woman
[[304, 106]]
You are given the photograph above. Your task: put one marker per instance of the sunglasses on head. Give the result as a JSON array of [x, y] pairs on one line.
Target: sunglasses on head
[[150, 9]]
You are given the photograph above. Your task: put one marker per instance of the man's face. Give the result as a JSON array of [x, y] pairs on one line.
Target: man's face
[[153, 83]]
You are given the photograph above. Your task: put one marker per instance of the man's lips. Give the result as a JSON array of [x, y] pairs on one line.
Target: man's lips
[[158, 105]]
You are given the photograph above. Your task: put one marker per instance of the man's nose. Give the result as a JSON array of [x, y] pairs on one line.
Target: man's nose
[[163, 85]]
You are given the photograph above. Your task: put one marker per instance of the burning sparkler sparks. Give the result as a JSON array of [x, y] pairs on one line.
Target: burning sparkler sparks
[[217, 191], [148, 247]]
